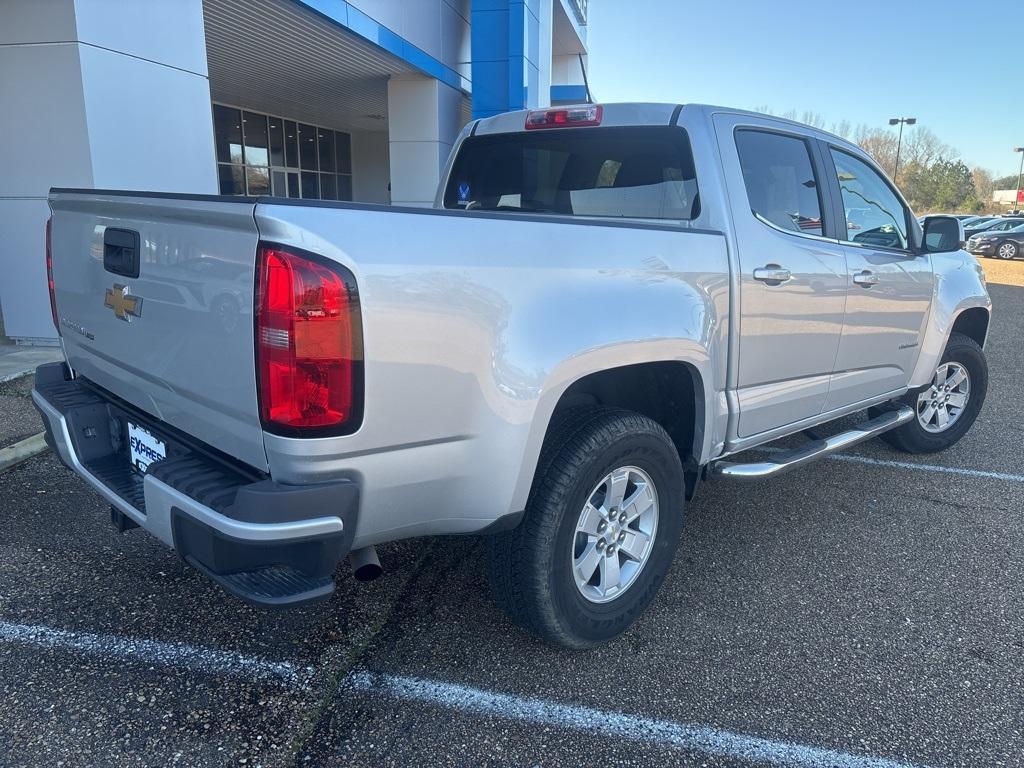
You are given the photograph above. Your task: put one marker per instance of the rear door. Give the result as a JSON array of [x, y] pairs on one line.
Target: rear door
[[890, 285], [154, 297], [792, 282]]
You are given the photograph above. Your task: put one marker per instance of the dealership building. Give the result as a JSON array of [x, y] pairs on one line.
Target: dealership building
[[322, 99]]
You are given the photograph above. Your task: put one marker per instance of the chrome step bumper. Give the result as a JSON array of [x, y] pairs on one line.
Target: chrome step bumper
[[815, 449]]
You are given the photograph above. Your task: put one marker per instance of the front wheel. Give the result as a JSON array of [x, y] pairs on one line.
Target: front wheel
[[1007, 250], [947, 406], [600, 531]]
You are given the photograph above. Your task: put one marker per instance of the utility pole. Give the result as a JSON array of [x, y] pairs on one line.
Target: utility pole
[[901, 121], [1016, 200]]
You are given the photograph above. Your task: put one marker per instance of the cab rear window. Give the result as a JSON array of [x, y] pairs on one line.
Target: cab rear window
[[641, 173]]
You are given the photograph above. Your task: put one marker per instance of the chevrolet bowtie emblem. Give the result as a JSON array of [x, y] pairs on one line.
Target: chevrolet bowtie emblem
[[125, 305]]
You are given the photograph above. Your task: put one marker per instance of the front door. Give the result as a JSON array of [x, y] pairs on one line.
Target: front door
[[792, 281], [890, 285]]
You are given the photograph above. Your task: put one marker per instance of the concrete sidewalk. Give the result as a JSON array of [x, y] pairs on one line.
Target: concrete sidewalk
[[18, 417], [20, 426], [16, 361]]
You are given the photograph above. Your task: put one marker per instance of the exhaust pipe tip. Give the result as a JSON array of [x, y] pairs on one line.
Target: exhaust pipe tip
[[365, 564]]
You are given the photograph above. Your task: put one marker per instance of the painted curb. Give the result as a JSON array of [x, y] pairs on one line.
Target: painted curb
[[21, 451]]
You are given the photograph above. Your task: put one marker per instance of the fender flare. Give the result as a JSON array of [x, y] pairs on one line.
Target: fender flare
[[570, 371]]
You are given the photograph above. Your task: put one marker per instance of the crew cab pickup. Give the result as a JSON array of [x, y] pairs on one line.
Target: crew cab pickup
[[606, 305]]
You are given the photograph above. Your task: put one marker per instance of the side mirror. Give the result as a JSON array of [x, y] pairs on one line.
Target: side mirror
[[943, 234]]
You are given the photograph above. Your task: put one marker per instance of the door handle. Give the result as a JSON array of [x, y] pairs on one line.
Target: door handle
[[772, 274], [865, 279]]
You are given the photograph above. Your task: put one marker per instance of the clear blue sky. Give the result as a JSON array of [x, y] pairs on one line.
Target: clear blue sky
[[957, 67]]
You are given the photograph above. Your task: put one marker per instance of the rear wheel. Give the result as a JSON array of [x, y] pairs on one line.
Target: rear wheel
[[948, 405], [600, 531], [1007, 250]]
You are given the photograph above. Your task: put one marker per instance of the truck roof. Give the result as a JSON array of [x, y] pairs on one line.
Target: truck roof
[[638, 113]]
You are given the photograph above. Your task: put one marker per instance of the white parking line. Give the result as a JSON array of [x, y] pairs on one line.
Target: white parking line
[[665, 733], [697, 738], [206, 660], [929, 467], [850, 457]]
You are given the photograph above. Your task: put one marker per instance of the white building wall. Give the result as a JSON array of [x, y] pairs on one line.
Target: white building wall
[[545, 57], [93, 93], [371, 170], [566, 70], [424, 119]]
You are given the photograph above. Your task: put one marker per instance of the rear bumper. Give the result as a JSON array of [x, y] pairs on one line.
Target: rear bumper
[[271, 544]]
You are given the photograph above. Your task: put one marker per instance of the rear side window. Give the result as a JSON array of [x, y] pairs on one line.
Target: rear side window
[[642, 173], [781, 185]]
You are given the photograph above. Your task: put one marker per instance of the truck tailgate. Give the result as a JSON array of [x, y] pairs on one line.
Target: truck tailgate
[[172, 333]]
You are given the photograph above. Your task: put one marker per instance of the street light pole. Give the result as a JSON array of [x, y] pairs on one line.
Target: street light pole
[[901, 121], [1016, 200]]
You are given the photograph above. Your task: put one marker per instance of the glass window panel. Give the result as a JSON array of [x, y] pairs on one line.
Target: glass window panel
[[343, 142], [781, 187], [874, 215], [279, 184], [310, 188], [307, 148], [642, 172], [276, 141], [227, 131], [258, 180], [326, 139], [345, 188], [328, 187], [231, 179], [293, 185], [291, 144], [255, 128]]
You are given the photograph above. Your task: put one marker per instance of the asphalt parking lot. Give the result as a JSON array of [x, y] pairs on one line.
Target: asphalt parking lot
[[866, 611]]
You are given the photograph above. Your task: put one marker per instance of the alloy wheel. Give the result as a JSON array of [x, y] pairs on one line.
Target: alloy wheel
[[615, 534], [941, 405]]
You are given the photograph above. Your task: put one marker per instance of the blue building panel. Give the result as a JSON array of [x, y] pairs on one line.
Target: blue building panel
[[505, 50], [490, 40], [568, 94], [357, 22], [490, 92], [506, 53]]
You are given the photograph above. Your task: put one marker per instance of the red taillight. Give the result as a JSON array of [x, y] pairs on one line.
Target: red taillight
[[569, 117], [308, 345], [49, 273]]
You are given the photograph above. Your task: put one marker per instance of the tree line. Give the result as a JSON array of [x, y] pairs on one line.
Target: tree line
[[931, 174]]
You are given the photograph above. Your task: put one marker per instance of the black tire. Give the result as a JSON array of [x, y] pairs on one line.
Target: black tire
[[531, 567], [1014, 250], [914, 438]]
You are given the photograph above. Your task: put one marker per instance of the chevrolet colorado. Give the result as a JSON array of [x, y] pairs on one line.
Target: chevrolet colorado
[[605, 306]]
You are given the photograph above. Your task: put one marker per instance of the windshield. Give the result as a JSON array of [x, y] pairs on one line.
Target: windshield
[[641, 172]]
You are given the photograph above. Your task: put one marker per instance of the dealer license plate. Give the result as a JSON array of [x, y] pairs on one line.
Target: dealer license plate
[[145, 449]]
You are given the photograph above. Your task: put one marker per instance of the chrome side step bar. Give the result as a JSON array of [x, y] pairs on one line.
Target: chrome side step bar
[[815, 449]]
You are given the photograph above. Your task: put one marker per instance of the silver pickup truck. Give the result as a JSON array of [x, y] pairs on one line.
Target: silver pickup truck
[[606, 305]]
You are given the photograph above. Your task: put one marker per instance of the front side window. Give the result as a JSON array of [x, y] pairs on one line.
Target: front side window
[[780, 181], [874, 214], [641, 173]]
